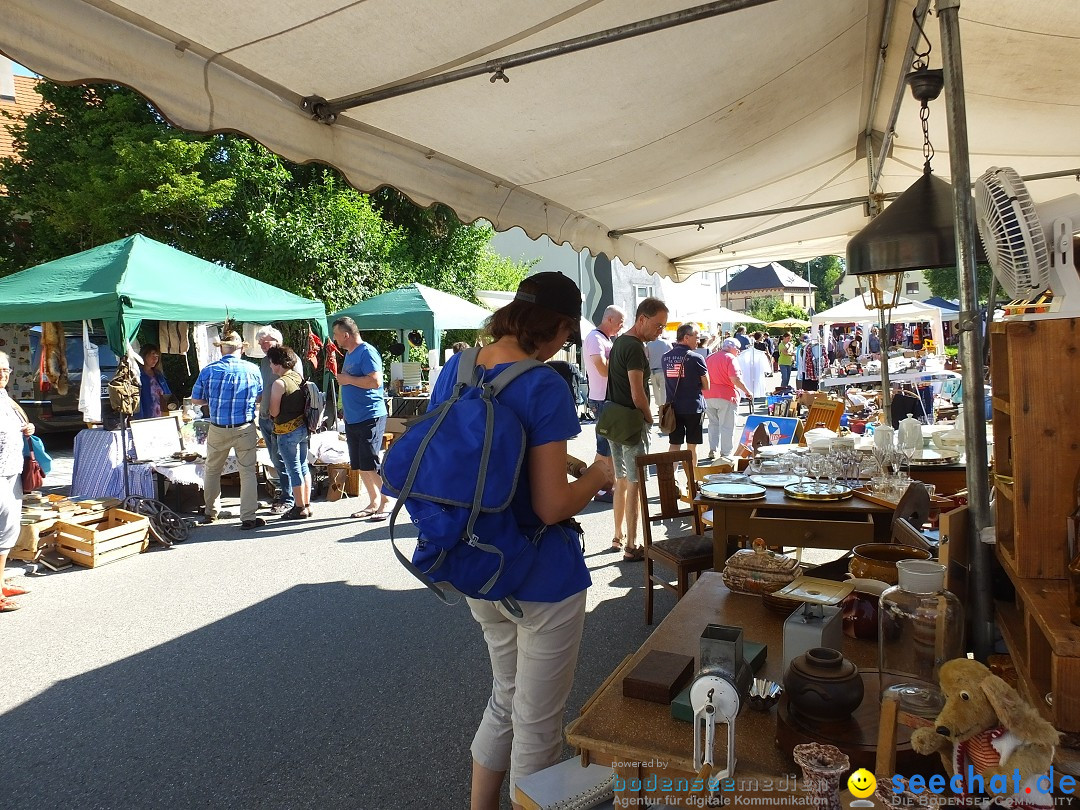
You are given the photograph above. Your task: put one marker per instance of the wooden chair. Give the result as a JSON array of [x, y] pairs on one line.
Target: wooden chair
[[687, 553], [827, 411]]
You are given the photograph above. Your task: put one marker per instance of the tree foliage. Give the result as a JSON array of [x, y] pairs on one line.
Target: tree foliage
[[944, 282], [99, 163], [772, 308]]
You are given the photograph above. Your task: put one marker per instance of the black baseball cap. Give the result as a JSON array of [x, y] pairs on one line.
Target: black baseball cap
[[555, 292]]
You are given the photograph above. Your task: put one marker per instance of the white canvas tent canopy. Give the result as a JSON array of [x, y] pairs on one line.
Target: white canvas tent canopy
[[906, 311], [663, 132]]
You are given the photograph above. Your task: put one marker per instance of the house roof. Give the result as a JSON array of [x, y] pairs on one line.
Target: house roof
[[771, 276], [26, 101]]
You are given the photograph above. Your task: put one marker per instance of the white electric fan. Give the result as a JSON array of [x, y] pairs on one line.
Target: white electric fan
[[1029, 247]]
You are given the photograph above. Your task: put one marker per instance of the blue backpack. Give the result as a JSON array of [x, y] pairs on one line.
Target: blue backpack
[[455, 469]]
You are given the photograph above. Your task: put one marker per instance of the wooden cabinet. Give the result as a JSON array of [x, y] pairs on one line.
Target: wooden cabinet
[[1035, 366]]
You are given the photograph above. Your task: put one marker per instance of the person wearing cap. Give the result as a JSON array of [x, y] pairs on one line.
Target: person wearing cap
[[628, 385], [722, 396], [533, 656], [231, 388], [362, 399]]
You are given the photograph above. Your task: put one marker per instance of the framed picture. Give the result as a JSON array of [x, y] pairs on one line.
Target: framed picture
[[781, 429], [155, 438]]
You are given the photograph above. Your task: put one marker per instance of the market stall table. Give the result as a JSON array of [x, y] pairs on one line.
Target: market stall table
[[639, 738], [782, 521]]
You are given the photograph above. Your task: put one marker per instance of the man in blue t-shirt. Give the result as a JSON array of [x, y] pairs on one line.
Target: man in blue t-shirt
[[364, 404], [685, 377]]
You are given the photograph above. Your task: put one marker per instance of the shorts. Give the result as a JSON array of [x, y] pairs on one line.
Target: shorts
[[624, 457], [603, 447], [687, 428], [364, 440]]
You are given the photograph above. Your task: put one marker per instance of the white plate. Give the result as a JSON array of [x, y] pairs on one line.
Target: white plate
[[725, 478], [733, 492], [778, 480]]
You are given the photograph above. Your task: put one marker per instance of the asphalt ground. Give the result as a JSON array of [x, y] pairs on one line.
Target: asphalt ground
[[296, 666]]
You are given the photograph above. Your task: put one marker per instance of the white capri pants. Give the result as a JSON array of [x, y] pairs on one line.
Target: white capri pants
[[532, 663], [10, 510], [721, 413]]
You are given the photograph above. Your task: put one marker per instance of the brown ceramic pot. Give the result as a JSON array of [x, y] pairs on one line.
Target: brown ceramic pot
[[823, 685], [878, 560]]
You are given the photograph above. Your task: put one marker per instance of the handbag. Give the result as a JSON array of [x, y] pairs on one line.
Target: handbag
[[32, 474], [667, 410], [620, 424]]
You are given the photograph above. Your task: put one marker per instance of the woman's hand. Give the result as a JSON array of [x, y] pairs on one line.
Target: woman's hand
[[28, 429]]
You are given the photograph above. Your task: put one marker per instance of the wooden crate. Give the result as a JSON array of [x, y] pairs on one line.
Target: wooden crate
[[1045, 647], [119, 534], [1036, 441]]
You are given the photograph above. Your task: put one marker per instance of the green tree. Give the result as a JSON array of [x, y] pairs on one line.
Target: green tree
[[944, 282], [98, 163], [772, 308]]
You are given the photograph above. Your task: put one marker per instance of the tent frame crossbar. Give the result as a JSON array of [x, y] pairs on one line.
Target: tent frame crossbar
[[327, 112]]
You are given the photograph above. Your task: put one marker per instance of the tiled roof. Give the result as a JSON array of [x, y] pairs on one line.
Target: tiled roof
[[26, 101], [772, 276]]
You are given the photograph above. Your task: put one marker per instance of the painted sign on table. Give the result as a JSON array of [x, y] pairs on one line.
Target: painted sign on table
[[781, 429]]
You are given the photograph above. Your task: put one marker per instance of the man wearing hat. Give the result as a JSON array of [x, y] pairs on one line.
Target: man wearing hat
[[231, 388], [722, 396]]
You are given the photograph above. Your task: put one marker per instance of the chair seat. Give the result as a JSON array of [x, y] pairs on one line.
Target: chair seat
[[683, 549]]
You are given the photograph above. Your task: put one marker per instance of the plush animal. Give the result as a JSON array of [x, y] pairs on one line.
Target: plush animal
[[987, 726]]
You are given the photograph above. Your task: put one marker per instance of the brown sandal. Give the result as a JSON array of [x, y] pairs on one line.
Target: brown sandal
[[636, 554], [616, 544]]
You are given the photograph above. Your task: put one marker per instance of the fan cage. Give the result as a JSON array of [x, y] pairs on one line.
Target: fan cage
[[1011, 233]]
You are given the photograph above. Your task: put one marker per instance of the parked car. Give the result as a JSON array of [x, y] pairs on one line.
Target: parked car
[[50, 411]]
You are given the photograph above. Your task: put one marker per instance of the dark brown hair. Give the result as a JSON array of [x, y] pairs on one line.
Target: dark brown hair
[[282, 356], [529, 324]]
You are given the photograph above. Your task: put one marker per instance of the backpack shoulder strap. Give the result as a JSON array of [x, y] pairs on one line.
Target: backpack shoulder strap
[[470, 374]]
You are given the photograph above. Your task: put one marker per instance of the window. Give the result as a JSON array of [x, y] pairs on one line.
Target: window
[[858, 291], [641, 292], [912, 288]]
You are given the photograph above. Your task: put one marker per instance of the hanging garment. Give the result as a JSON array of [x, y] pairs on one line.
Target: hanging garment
[[205, 350], [253, 350], [314, 345], [331, 357], [173, 337], [90, 386]]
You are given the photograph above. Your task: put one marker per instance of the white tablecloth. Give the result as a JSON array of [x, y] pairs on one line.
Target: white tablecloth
[[191, 472]]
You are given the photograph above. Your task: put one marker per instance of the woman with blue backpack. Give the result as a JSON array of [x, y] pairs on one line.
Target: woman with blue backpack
[[534, 654]]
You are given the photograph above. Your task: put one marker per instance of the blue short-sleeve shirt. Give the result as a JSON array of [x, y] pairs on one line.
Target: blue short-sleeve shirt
[[362, 404], [683, 370], [541, 400]]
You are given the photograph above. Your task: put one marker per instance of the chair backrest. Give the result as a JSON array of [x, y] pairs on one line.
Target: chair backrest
[[827, 411], [669, 505]]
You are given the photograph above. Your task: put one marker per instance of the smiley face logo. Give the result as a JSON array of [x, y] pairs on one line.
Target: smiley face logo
[[861, 783]]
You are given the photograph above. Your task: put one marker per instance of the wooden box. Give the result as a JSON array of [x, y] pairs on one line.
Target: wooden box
[[659, 676], [33, 537], [119, 534]]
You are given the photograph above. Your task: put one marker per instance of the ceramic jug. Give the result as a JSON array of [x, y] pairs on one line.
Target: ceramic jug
[[883, 437], [910, 434]]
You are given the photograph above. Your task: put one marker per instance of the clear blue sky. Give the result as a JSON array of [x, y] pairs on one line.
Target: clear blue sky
[[21, 71]]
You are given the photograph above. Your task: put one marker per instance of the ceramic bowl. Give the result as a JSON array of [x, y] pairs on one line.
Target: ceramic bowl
[[878, 560]]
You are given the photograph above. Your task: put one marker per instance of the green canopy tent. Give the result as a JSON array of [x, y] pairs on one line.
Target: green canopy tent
[[415, 306], [131, 280]]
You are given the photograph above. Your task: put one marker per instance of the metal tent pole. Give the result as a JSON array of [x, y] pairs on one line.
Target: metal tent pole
[[971, 340]]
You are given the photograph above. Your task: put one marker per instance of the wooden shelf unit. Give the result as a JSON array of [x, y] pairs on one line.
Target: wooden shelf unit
[[1034, 365], [1045, 647]]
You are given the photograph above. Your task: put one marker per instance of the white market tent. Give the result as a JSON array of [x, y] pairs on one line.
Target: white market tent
[[906, 311], [664, 132]]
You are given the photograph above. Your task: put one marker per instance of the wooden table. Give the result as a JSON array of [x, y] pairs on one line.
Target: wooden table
[[783, 521], [641, 740]]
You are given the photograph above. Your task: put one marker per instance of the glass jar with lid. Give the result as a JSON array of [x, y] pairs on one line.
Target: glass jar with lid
[[920, 627]]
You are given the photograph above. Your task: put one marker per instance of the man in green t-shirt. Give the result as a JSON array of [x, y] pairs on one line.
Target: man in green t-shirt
[[628, 385]]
